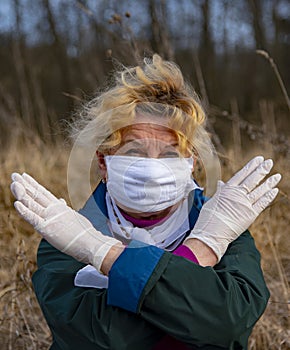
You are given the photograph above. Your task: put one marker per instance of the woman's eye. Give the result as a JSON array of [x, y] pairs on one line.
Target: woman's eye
[[134, 152], [170, 154]]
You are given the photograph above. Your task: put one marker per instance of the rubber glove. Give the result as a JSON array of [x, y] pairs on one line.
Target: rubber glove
[[235, 205], [60, 225]]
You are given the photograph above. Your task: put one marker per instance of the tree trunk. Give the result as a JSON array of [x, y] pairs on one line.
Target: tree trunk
[[19, 63], [59, 48], [256, 8], [159, 36]]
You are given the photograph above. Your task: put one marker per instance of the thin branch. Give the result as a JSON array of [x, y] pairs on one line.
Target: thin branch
[[275, 68], [74, 97], [84, 8], [200, 79]]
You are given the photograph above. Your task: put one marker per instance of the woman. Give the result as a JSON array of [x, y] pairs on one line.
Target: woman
[[193, 279]]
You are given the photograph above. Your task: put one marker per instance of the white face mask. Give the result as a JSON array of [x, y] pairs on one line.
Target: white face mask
[[149, 184]]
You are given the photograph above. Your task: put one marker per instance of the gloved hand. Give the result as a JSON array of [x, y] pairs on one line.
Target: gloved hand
[[60, 225], [235, 205]]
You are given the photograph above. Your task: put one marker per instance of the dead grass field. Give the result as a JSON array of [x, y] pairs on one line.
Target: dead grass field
[[22, 325]]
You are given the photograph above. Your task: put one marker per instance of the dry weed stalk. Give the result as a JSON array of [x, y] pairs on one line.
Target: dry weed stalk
[[276, 71]]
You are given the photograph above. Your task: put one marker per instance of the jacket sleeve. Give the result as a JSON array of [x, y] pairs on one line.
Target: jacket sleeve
[[79, 318], [194, 304]]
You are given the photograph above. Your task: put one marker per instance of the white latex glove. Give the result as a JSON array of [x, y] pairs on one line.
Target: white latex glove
[[235, 205], [60, 225]]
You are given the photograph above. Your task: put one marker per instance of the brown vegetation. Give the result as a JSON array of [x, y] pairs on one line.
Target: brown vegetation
[[22, 324]]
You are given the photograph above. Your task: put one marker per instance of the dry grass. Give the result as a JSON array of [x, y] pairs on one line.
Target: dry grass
[[21, 322]]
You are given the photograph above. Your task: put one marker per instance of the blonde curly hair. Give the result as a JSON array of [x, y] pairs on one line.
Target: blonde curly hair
[[156, 90]]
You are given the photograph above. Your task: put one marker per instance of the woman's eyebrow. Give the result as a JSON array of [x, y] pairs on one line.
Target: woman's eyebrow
[[173, 143], [138, 142]]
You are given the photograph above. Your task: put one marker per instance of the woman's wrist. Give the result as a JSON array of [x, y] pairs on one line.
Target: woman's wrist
[[204, 254], [111, 257]]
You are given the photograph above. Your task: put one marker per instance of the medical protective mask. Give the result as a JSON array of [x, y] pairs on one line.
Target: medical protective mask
[[149, 184]]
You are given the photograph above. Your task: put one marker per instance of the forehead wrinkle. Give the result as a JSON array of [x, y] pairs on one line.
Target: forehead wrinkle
[[142, 141], [150, 132]]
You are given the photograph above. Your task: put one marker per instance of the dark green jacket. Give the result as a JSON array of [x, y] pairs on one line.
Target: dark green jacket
[[152, 293]]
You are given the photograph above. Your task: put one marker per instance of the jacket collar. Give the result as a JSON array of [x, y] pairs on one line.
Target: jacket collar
[[95, 209]]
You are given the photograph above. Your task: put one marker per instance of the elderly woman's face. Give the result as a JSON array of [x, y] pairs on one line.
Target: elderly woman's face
[[146, 141]]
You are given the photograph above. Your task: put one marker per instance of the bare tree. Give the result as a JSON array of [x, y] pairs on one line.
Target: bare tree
[[206, 48], [257, 15], [59, 48], [160, 41], [18, 47]]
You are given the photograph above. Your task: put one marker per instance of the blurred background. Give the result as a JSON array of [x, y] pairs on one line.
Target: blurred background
[[56, 54]]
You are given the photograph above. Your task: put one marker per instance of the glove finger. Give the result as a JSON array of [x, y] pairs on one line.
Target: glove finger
[[33, 206], [15, 177], [27, 214], [33, 189], [257, 175], [62, 200], [36, 191], [20, 194], [38, 187], [17, 190], [265, 200], [35, 195], [268, 185], [245, 171]]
